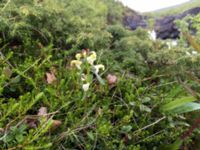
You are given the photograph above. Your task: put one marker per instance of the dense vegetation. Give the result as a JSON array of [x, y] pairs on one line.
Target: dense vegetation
[[72, 77]]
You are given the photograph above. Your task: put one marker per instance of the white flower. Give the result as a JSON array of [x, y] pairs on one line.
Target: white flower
[[194, 53], [92, 58], [24, 10], [171, 44], [83, 77], [86, 87], [76, 63], [78, 56], [174, 43], [98, 67], [152, 35]]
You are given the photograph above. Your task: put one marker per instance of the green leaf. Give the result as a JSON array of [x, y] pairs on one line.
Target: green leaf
[[177, 103], [145, 108], [146, 100], [91, 135], [127, 128], [101, 81], [175, 146], [15, 80], [188, 107], [39, 96]]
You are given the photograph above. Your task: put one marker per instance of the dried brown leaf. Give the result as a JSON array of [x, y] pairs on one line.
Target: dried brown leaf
[[55, 125], [1, 130], [50, 77], [112, 79], [42, 111], [7, 72], [31, 122]]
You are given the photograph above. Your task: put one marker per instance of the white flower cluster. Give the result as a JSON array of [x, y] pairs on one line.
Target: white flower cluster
[[193, 53], [87, 59], [152, 35], [172, 43]]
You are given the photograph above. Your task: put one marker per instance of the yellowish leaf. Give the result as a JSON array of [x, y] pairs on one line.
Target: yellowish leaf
[[192, 41]]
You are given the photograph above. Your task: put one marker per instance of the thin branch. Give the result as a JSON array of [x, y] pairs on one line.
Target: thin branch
[[6, 5], [150, 136], [150, 125]]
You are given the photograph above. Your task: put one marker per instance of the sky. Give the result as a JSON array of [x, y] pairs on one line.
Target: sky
[[150, 5]]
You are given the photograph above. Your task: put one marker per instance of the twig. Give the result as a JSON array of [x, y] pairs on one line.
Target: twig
[[152, 78], [169, 83], [122, 100], [6, 5], [150, 125], [64, 134], [188, 88], [150, 136]]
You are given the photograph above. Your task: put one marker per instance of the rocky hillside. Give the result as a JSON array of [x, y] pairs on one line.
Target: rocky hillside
[[164, 27], [133, 20]]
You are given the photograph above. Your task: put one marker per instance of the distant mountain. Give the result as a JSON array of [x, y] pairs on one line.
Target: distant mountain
[[174, 9]]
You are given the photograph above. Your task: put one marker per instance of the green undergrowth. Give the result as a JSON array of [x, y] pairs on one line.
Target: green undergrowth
[[127, 92]]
